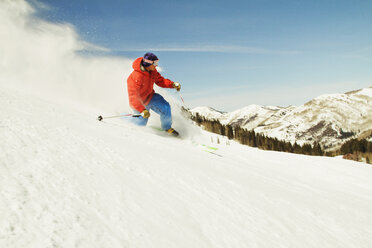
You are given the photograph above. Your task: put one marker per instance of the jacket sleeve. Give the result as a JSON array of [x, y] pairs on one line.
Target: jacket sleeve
[[163, 82], [134, 84]]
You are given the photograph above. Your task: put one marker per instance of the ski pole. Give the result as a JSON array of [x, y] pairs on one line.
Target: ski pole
[[184, 105], [181, 98], [100, 118]]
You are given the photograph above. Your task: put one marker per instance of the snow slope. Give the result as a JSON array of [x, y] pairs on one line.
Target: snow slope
[[67, 180]]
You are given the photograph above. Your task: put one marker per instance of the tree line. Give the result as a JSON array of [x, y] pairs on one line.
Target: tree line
[[355, 149], [358, 150], [253, 139], [355, 145]]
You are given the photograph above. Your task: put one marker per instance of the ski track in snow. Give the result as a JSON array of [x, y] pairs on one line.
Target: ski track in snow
[[67, 180]]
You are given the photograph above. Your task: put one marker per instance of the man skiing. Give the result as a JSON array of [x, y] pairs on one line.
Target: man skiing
[[142, 96]]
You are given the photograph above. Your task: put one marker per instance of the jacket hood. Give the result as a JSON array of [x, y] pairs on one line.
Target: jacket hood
[[137, 64]]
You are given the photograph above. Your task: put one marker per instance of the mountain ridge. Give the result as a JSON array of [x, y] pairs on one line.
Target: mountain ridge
[[329, 119]]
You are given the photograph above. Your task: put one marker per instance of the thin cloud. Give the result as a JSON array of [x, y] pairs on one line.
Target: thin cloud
[[215, 49], [274, 96]]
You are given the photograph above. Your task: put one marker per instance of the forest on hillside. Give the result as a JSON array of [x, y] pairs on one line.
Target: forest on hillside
[[359, 150]]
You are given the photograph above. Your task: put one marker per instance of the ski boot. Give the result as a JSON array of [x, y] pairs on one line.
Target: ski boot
[[172, 132]]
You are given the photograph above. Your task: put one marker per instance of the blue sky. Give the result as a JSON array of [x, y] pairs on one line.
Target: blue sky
[[229, 54]]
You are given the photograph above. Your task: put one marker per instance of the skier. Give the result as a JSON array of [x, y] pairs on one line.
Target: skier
[[142, 96]]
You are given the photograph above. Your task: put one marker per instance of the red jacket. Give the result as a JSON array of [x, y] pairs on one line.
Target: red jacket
[[141, 85]]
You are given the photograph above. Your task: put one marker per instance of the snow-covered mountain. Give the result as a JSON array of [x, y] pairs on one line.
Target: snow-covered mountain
[[248, 117], [209, 113], [328, 119]]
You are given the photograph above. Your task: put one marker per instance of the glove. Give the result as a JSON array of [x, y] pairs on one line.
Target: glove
[[145, 114], [177, 86]]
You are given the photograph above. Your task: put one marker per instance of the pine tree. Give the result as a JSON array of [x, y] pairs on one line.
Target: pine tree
[[369, 147], [229, 132], [306, 149], [297, 148], [317, 150]]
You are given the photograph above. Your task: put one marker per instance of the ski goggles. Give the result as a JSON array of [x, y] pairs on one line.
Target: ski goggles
[[155, 62]]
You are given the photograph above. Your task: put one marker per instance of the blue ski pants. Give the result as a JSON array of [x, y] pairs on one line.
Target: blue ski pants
[[160, 106]]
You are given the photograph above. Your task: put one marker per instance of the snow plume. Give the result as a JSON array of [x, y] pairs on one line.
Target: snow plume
[[49, 59], [46, 58]]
